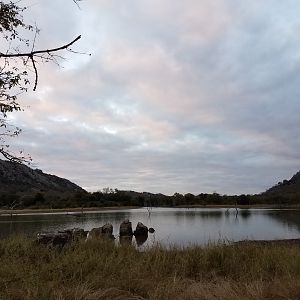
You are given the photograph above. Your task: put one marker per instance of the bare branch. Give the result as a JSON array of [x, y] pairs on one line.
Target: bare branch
[[76, 2], [14, 78], [47, 51], [12, 157], [35, 71]]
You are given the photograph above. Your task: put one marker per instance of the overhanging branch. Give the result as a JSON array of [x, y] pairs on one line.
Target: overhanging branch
[[46, 51], [39, 53], [35, 71]]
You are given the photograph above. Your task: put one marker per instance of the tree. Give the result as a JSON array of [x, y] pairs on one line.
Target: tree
[[17, 62]]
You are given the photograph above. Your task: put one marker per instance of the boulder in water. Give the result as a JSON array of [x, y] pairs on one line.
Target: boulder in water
[[104, 231], [141, 239], [141, 229], [75, 233], [126, 228], [151, 230], [107, 229], [125, 239]]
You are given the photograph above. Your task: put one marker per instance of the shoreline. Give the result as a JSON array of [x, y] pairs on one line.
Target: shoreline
[[7, 212], [278, 242]]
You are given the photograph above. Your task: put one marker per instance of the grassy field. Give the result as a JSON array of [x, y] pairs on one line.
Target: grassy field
[[101, 270]]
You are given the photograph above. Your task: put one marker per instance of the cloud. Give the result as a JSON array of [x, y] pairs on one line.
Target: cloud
[[193, 96]]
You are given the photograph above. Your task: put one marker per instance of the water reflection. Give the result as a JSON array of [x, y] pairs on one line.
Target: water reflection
[[32, 224], [245, 213], [172, 225], [287, 217], [141, 239], [129, 240], [192, 213], [126, 240]]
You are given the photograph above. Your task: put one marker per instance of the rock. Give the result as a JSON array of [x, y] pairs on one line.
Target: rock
[[53, 239], [61, 237], [75, 234], [94, 233], [44, 238], [107, 229], [141, 233], [141, 239], [104, 231], [69, 232], [151, 230], [78, 233], [126, 239], [126, 228], [141, 230]]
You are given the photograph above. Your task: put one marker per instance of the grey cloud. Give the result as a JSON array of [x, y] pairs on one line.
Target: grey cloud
[[177, 96]]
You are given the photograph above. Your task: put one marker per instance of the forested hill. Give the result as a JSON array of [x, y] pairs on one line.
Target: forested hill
[[23, 187], [16, 177], [291, 186]]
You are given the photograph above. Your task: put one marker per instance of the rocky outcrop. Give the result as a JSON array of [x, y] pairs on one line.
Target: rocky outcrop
[[104, 231], [53, 239], [61, 238], [126, 228], [20, 178], [291, 186]]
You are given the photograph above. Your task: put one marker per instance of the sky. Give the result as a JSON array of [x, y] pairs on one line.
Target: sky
[[177, 96]]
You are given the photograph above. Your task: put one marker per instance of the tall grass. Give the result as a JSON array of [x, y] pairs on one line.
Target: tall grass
[[99, 269]]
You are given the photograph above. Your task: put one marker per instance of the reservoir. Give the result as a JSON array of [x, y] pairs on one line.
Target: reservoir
[[173, 226]]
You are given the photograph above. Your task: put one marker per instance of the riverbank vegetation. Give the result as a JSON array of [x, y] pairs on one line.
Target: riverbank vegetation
[[117, 198], [99, 269]]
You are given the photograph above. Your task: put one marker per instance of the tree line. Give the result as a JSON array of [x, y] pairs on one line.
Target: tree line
[[117, 198]]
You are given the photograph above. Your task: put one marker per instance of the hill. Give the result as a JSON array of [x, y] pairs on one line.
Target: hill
[[291, 186], [17, 178]]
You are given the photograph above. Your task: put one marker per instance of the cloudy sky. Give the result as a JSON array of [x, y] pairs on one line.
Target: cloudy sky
[[177, 96]]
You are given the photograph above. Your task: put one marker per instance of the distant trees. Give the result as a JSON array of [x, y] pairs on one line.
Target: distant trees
[[244, 200], [118, 198], [18, 60]]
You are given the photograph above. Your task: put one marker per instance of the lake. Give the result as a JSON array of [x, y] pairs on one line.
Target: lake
[[173, 226]]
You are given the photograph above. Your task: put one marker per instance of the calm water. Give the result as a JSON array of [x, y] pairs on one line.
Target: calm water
[[178, 226]]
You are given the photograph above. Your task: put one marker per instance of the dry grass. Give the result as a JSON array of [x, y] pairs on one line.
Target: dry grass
[[101, 270]]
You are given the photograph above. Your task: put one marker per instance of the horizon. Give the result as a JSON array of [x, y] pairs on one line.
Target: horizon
[[104, 189], [190, 97]]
